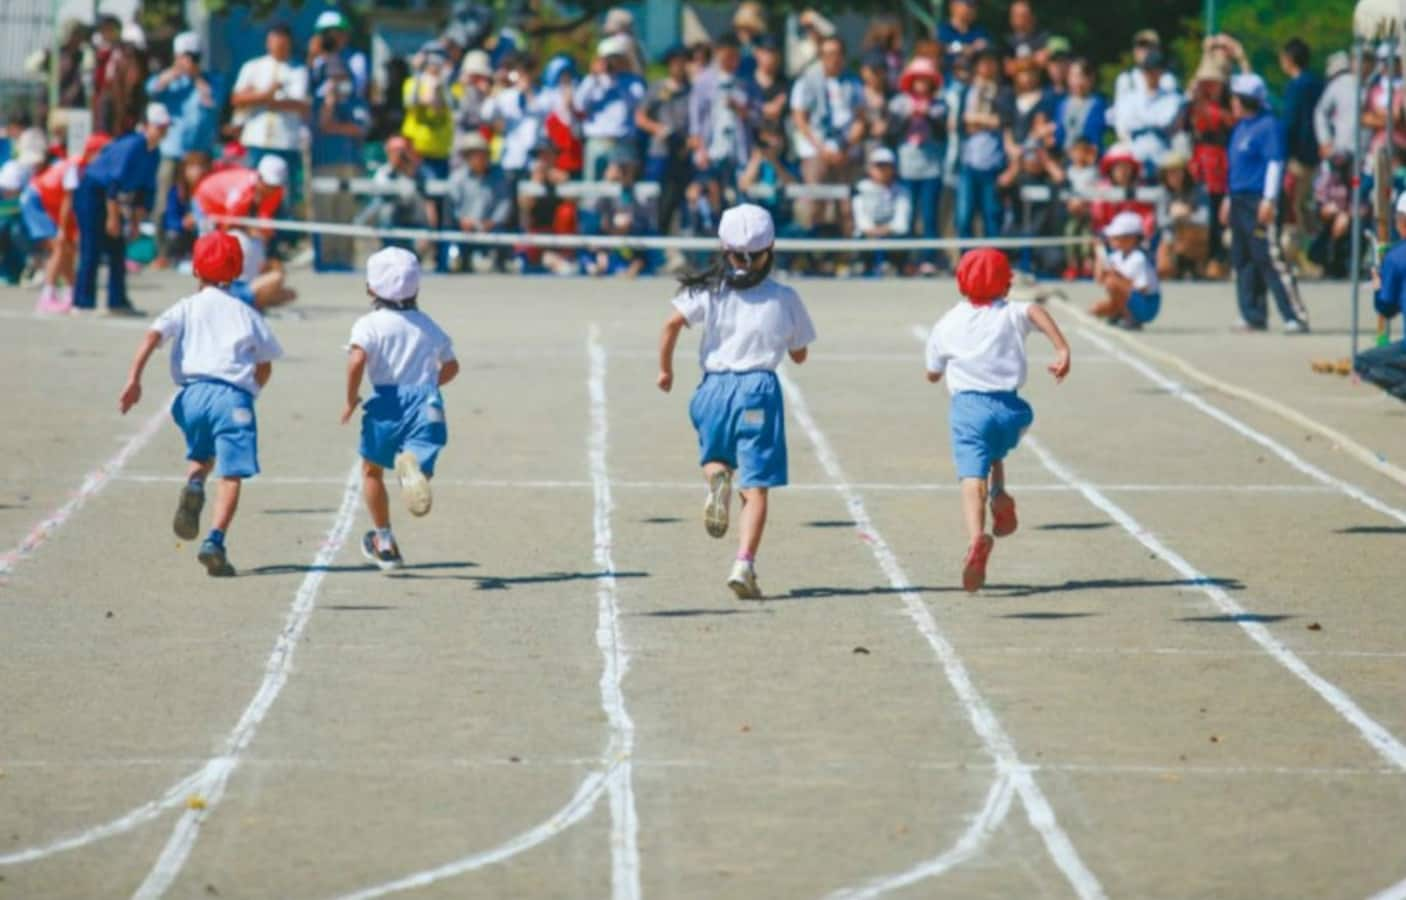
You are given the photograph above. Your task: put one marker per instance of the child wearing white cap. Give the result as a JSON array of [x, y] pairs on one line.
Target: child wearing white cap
[[407, 358], [750, 324], [1128, 274]]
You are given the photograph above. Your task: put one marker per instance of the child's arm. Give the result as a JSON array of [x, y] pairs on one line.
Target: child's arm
[[667, 339], [132, 392], [262, 373], [356, 367], [1046, 323], [448, 371]]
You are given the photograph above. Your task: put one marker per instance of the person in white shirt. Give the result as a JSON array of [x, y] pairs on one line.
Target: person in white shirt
[[606, 102], [883, 207], [222, 354], [407, 358], [979, 345], [1147, 109], [1128, 275], [749, 324], [272, 102]]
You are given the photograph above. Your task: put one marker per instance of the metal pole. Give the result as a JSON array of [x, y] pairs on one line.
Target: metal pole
[[1210, 12], [1355, 192]]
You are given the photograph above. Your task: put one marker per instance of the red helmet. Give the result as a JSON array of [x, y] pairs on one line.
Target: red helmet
[[218, 258]]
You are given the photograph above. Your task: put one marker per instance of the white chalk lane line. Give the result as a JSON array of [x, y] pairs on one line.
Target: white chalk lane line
[[985, 723], [616, 777]]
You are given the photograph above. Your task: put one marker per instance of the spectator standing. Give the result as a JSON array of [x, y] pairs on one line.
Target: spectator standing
[[1208, 122], [1033, 180], [1335, 116], [1145, 113], [722, 107], [429, 120], [1300, 144], [1144, 42], [664, 117], [271, 98], [920, 118], [960, 35], [883, 44], [873, 77], [773, 89], [561, 125], [332, 42], [1059, 57], [982, 155], [1026, 39], [479, 198], [475, 84], [803, 43], [1030, 108], [1082, 113], [340, 121], [827, 106], [750, 25], [1252, 210], [189, 96], [519, 112], [606, 102]]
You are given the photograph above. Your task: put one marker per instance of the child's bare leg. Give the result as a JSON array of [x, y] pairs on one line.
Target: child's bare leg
[[226, 502], [269, 291], [713, 468], [199, 471], [53, 265], [974, 506], [1115, 304], [754, 503], [997, 479], [378, 502]]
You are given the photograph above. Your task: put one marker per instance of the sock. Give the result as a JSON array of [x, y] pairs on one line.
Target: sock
[[744, 556], [216, 537], [995, 491], [384, 539], [196, 482]]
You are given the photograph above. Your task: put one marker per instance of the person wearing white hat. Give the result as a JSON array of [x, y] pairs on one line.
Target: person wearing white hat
[[406, 358], [1335, 115], [882, 205], [749, 325], [1252, 211], [112, 198], [1128, 275], [606, 101], [188, 93]]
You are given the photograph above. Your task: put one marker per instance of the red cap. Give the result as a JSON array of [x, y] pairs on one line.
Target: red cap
[[218, 258], [984, 275]]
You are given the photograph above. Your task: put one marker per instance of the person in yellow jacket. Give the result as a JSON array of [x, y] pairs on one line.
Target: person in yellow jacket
[[429, 110]]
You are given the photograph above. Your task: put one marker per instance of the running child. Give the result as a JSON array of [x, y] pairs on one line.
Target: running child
[[407, 358], [1128, 274], [979, 345], [750, 323], [222, 354]]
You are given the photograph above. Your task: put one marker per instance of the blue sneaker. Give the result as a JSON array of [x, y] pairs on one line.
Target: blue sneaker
[[212, 557], [187, 523], [387, 559]]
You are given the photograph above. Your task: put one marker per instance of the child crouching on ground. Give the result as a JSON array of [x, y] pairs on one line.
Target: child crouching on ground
[[222, 354], [1129, 275], [980, 346], [407, 358], [749, 325]]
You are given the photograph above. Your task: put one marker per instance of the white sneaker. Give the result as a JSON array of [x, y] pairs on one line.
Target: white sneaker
[[715, 508], [413, 484], [743, 581], [1295, 326]]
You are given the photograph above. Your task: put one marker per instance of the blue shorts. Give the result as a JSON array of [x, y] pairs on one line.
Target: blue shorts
[[1144, 307], [986, 427], [241, 290], [37, 224], [218, 422], [741, 423], [403, 417]]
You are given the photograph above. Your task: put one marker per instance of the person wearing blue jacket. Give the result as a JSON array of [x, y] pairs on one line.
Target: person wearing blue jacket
[[1300, 143], [123, 174], [1390, 295], [1252, 211]]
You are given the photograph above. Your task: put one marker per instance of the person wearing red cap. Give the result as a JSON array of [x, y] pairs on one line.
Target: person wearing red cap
[[222, 354], [979, 346]]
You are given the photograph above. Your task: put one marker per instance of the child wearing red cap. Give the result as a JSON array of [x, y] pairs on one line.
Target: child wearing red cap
[[979, 346], [222, 354]]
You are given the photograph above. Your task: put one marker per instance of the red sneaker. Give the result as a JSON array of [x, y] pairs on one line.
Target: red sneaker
[[1003, 520], [974, 571]]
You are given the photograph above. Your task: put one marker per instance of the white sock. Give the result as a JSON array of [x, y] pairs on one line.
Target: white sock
[[384, 538]]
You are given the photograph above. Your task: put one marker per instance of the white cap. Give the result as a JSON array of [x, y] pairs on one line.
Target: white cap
[[1125, 224], [476, 62], [132, 34], [273, 171], [157, 114], [186, 42], [329, 18], [1401, 205], [747, 228], [615, 45], [393, 274], [13, 175], [1248, 84], [881, 156]]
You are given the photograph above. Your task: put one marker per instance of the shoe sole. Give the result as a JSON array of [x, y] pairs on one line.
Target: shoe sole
[[974, 575], [216, 564], [413, 484], [187, 521], [743, 591], [379, 563], [715, 508], [1002, 527]]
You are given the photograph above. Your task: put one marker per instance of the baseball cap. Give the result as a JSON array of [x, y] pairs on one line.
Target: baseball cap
[[1248, 84], [273, 171], [748, 228], [13, 175], [1125, 224], [469, 142], [157, 114], [881, 156], [187, 42], [330, 19], [393, 274]]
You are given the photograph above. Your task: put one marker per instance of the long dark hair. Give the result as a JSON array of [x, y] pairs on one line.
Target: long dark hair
[[718, 275]]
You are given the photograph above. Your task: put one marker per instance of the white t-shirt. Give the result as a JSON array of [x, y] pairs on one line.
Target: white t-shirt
[[263, 127], [981, 348], [254, 256], [215, 336], [402, 348], [1137, 267], [748, 330]]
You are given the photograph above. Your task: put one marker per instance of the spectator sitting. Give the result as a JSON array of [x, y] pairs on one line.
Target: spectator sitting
[[1081, 114], [1128, 275], [920, 117], [1117, 190], [1183, 220], [763, 181], [179, 228], [409, 206], [883, 208], [1033, 181], [1082, 179], [542, 210], [479, 198], [606, 102], [14, 245], [624, 171]]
